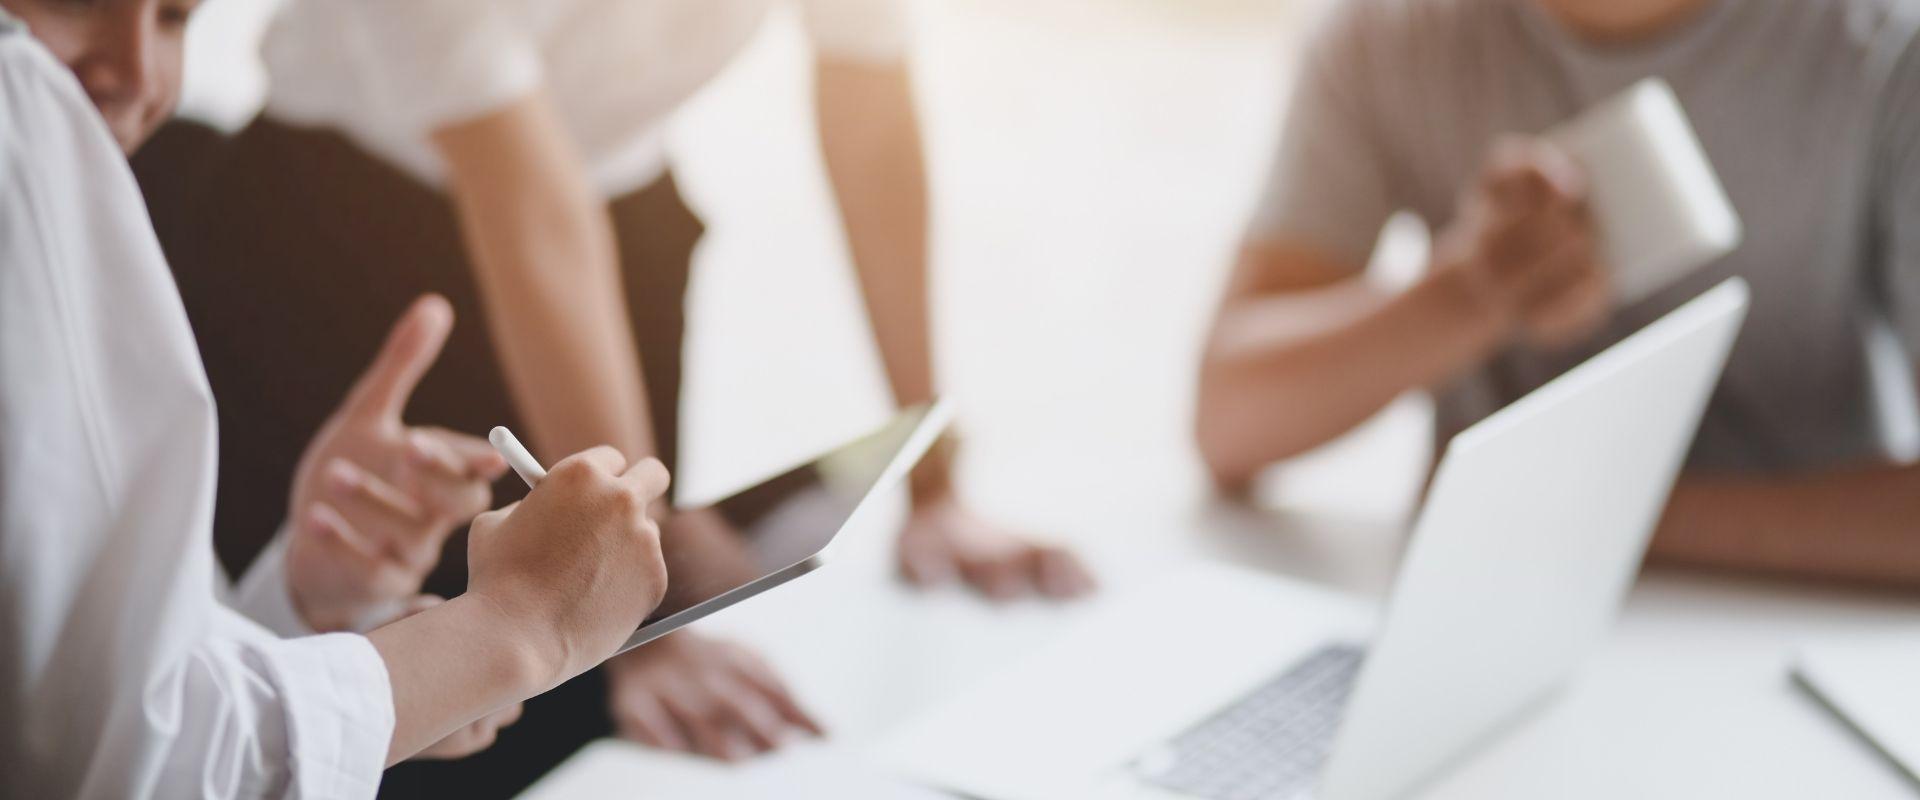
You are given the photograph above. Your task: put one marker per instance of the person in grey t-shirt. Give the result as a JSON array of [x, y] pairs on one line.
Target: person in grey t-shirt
[[1810, 112]]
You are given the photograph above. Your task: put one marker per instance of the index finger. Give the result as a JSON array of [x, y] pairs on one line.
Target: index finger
[[410, 349]]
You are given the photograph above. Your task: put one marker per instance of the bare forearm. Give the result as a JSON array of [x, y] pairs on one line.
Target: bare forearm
[[870, 139], [1858, 525], [453, 664], [1275, 383], [544, 255], [565, 344]]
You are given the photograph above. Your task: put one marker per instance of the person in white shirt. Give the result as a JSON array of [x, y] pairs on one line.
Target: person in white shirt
[[122, 674], [509, 154]]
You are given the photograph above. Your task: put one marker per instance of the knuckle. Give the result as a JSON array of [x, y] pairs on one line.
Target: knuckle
[[572, 469], [576, 474], [651, 478], [649, 533], [628, 501]]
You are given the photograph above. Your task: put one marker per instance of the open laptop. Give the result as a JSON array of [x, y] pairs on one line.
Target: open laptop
[[783, 527], [1222, 684]]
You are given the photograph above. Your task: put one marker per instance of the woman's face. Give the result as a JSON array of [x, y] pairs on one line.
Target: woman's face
[[126, 54]]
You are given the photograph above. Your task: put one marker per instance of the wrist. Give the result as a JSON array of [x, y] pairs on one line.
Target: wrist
[[527, 653], [1459, 303], [931, 481], [452, 664]]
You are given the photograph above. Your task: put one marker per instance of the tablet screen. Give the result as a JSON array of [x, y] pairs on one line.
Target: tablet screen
[[781, 521]]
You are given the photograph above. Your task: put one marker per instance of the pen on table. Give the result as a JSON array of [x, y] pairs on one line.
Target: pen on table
[[516, 455]]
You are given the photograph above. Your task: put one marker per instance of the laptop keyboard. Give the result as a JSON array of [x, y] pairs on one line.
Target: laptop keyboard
[[1270, 743]]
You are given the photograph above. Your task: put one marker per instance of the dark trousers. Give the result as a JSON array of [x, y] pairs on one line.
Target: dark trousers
[[295, 251]]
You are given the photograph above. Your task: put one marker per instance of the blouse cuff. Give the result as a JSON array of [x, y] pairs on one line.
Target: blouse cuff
[[339, 707]]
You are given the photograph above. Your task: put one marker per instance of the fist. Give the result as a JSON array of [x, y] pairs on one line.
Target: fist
[[1525, 242], [578, 562]]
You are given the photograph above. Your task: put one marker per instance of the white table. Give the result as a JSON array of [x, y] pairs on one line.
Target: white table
[[1689, 698]]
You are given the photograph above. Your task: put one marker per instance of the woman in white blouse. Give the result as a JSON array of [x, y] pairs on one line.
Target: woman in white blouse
[[122, 675], [508, 153]]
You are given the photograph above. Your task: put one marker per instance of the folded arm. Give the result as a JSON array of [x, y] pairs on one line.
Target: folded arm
[[1302, 350], [1855, 525]]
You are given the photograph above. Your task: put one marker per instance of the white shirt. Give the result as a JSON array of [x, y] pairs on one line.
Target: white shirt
[[387, 73], [121, 674]]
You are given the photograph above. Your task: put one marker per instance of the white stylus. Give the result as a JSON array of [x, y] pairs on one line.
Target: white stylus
[[516, 455]]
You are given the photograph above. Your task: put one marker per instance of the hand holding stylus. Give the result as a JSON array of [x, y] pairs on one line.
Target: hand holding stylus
[[545, 560]]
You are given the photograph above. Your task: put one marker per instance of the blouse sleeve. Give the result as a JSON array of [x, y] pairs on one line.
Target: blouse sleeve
[[422, 64], [121, 675], [861, 30]]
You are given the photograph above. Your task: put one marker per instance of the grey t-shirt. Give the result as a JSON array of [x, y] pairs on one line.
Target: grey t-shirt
[[1809, 110]]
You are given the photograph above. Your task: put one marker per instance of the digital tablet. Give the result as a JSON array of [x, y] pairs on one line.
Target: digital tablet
[[782, 527]]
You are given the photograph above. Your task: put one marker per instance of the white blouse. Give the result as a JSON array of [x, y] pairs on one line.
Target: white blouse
[[122, 675], [387, 73]]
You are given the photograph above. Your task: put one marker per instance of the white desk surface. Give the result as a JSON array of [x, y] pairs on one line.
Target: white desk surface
[[1690, 697]]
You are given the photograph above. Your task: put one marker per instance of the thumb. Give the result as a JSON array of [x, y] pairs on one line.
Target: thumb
[[410, 349]]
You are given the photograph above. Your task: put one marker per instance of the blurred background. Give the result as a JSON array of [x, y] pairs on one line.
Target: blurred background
[[1091, 164]]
